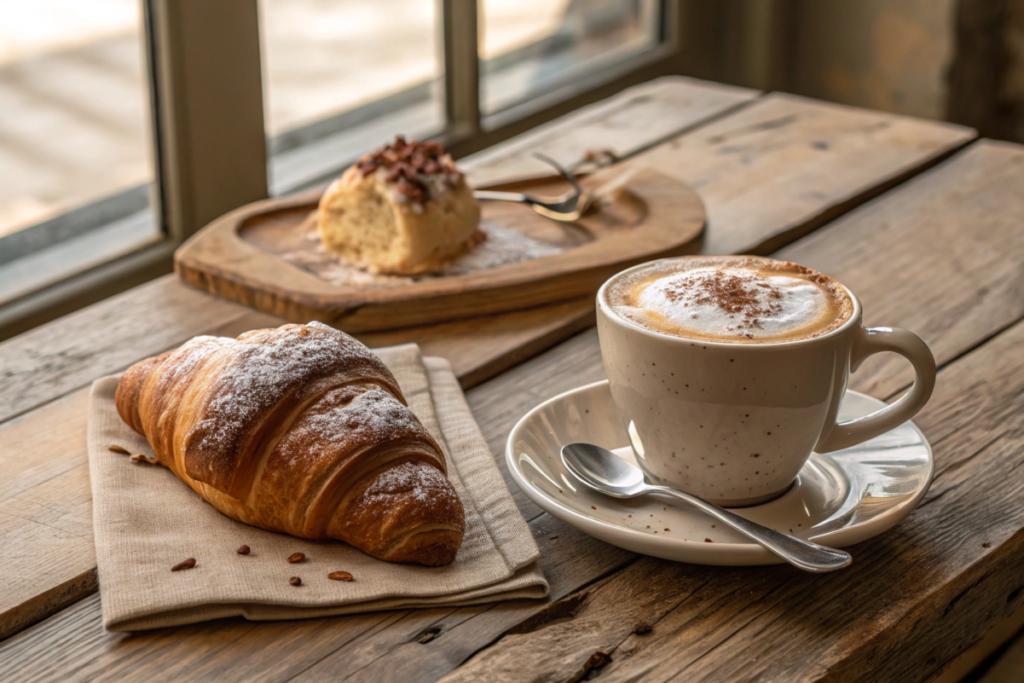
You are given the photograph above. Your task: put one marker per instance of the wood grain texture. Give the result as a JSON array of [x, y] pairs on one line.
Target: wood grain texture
[[976, 659], [1010, 665], [240, 256], [633, 120], [66, 354], [45, 513], [942, 256], [480, 348], [785, 165], [914, 598]]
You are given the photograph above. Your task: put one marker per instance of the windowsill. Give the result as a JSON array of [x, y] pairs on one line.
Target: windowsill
[[69, 258]]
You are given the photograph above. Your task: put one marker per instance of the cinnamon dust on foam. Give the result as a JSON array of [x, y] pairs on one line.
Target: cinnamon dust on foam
[[751, 298]]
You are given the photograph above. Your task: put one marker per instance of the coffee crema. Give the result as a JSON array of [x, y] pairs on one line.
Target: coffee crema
[[732, 299]]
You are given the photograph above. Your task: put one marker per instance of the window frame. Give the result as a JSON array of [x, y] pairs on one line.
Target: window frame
[[210, 147]]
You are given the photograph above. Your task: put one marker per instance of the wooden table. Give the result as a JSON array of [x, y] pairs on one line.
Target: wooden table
[[919, 218]]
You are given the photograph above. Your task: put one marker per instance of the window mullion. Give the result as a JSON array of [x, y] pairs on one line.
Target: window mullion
[[461, 67], [211, 141]]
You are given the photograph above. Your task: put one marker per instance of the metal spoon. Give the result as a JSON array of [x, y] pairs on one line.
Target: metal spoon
[[567, 208], [603, 471]]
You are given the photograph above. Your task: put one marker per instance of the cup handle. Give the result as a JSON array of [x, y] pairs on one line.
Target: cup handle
[[869, 341]]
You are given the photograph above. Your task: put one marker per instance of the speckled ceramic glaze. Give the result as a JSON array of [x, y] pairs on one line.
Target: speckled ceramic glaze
[[838, 499], [735, 423]]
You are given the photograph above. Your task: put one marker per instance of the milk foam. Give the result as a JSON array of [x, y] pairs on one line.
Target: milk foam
[[741, 299]]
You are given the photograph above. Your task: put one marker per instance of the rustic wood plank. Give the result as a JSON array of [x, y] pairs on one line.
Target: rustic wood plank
[[480, 348], [785, 165], [924, 591], [635, 119], [1009, 666], [51, 360], [942, 256], [974, 659]]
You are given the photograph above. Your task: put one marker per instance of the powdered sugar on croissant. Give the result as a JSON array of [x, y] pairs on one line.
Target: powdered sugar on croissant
[[301, 430]]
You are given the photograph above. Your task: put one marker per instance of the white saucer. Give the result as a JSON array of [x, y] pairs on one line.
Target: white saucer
[[838, 499]]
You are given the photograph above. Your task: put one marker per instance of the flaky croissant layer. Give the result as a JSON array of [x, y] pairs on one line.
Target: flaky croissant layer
[[300, 430]]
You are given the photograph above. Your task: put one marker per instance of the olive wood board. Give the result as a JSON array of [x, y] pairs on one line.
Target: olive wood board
[[267, 255]]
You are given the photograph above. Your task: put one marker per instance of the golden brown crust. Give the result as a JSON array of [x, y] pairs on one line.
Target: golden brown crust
[[301, 430]]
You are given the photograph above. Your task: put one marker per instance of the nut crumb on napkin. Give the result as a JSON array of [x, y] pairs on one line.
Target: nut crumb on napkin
[[184, 564]]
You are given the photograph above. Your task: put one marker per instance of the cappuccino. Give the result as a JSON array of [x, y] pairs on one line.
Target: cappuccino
[[731, 299]]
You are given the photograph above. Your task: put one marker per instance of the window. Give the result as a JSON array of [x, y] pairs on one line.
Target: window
[[528, 47], [127, 125], [331, 67], [74, 135]]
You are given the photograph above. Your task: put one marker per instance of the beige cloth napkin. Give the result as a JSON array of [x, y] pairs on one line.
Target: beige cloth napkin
[[146, 520]]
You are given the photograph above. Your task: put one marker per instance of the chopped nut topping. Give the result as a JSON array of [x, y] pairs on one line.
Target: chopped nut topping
[[408, 163]]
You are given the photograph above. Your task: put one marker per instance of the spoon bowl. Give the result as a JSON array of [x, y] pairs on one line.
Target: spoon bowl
[[604, 472]]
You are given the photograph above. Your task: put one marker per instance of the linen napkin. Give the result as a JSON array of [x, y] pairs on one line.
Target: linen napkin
[[146, 520]]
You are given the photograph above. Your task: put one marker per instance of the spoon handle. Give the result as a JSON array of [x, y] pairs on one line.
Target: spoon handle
[[803, 554]]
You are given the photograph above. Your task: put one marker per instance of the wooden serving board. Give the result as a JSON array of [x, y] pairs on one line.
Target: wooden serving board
[[268, 255]]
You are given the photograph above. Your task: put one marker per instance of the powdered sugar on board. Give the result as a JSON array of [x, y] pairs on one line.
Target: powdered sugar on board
[[502, 246]]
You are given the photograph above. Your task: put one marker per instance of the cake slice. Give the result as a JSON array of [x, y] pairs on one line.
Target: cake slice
[[404, 209]]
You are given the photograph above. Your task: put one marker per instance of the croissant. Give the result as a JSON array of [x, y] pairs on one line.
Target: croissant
[[299, 430]]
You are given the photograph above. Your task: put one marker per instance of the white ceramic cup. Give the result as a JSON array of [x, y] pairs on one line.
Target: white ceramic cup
[[733, 423]]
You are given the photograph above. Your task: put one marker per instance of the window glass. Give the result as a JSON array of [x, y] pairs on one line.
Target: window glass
[[531, 46], [329, 65], [74, 118]]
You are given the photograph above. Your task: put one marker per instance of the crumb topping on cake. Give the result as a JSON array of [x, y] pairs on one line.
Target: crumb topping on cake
[[415, 168]]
